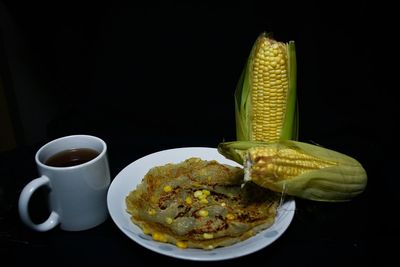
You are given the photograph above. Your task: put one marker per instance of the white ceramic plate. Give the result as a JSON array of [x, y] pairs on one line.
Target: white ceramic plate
[[132, 175]]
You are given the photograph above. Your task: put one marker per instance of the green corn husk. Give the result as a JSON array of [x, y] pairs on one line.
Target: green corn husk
[[299, 169], [244, 108]]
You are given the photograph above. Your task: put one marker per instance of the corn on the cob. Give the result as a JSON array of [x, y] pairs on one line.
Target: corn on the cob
[[299, 169], [265, 97]]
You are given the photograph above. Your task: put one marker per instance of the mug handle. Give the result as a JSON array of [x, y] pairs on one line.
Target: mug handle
[[24, 198]]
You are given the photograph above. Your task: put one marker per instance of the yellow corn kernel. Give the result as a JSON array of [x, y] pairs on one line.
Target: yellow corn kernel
[[181, 244], [203, 201], [208, 236], [202, 197], [198, 193], [151, 212], [230, 216], [146, 230], [159, 237], [188, 200], [206, 192], [169, 220], [156, 236], [203, 213], [167, 188]]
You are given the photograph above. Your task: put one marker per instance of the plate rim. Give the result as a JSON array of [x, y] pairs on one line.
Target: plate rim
[[115, 206]]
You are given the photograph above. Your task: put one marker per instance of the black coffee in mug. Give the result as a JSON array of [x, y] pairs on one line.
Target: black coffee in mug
[[71, 157]]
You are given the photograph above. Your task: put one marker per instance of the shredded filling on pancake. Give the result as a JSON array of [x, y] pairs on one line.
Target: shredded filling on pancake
[[200, 204]]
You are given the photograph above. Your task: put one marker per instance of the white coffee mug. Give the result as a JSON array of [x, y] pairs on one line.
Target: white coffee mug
[[78, 193]]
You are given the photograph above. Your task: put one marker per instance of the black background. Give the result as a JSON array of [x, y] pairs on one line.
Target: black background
[[147, 77]]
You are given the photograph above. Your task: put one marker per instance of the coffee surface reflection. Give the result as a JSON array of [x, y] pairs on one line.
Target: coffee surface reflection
[[71, 157]]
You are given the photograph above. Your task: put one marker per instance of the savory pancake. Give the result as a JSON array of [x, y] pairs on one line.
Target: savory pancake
[[200, 204]]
